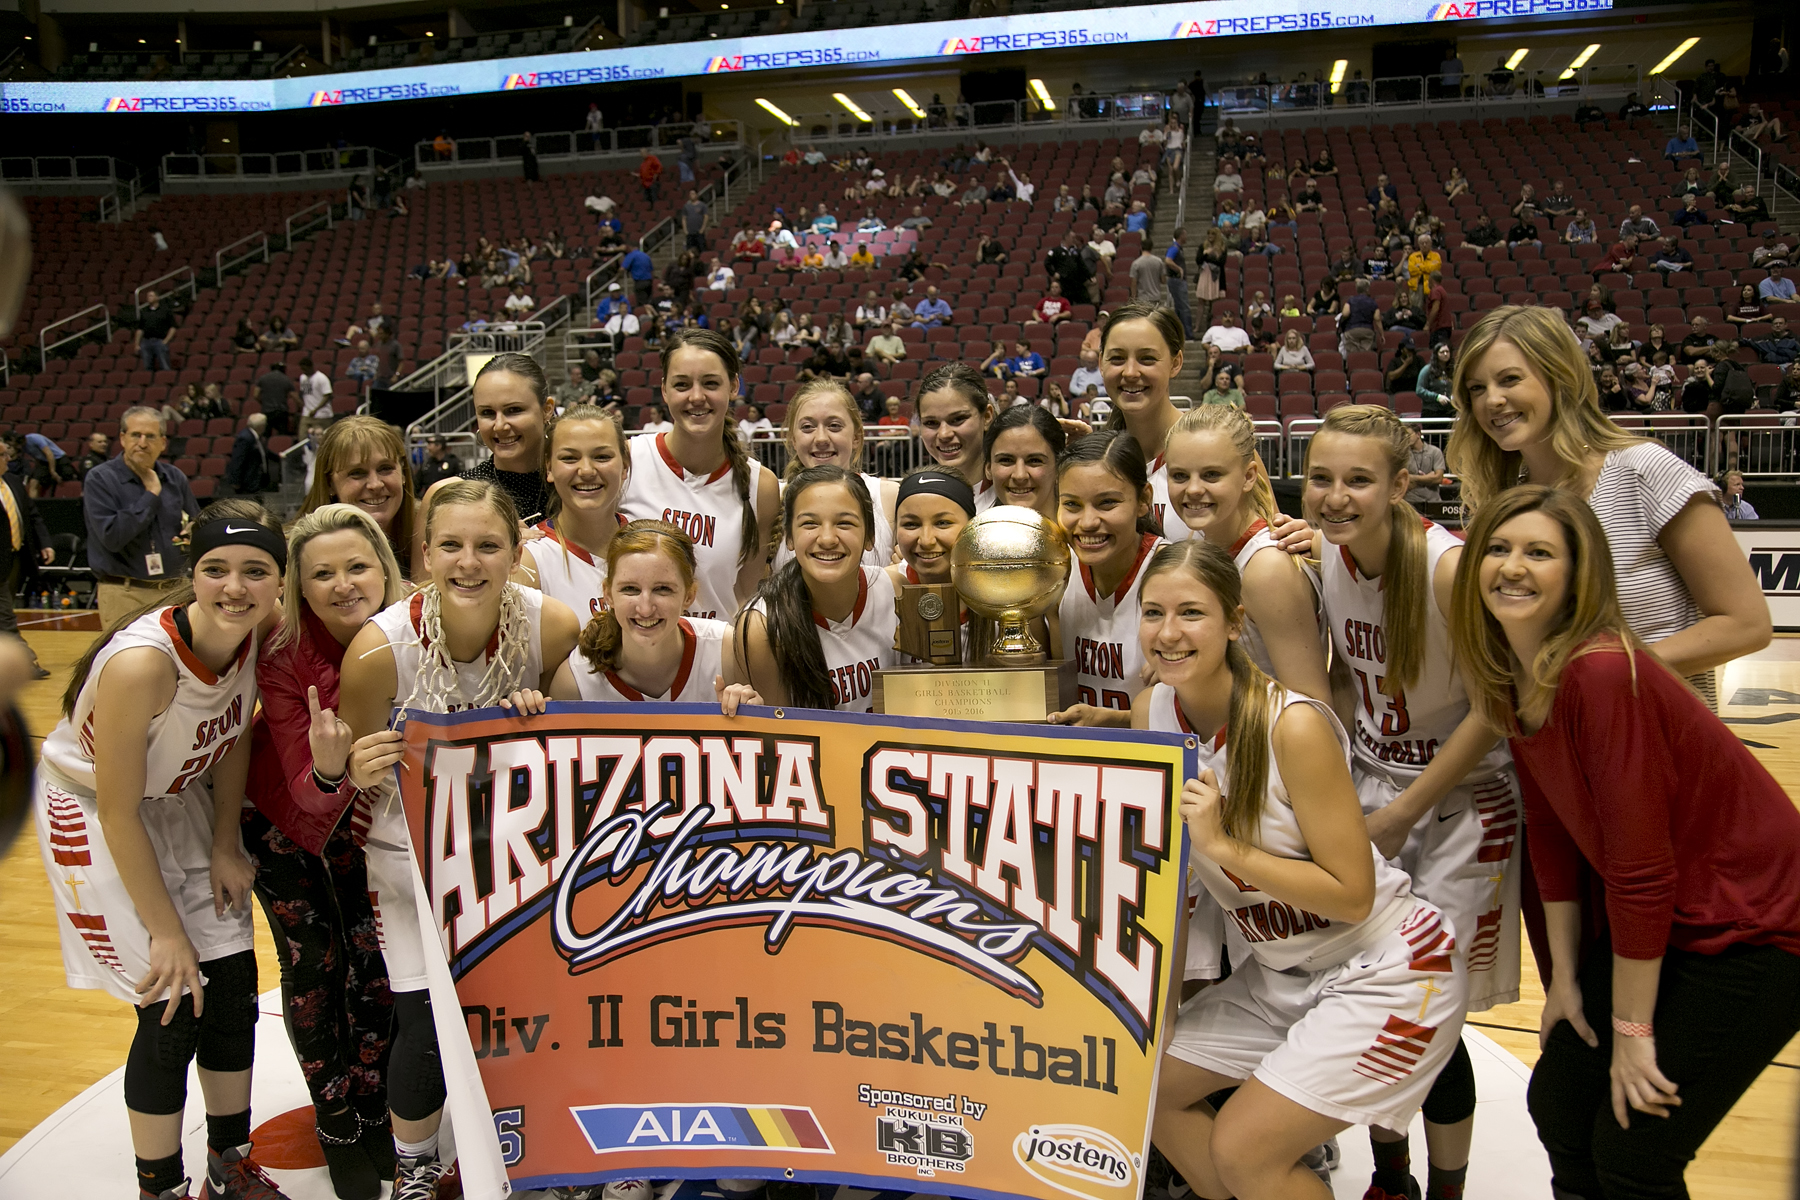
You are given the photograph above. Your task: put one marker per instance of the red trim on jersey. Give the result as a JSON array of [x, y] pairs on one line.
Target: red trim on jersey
[[1350, 559], [689, 643], [912, 576], [416, 612], [1181, 719], [1146, 543], [862, 598], [189, 659], [1156, 464], [545, 528], [674, 464], [1256, 527]]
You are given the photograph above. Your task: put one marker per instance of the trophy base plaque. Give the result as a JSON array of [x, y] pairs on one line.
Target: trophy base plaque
[[1023, 694]]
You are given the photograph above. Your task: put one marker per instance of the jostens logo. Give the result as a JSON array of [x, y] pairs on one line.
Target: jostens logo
[[1071, 1158]]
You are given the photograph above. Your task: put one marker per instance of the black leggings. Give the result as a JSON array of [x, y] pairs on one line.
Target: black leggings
[[334, 984], [1720, 1019], [222, 1038]]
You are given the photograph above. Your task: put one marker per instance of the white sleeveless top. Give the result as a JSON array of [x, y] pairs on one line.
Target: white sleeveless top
[[880, 550], [1255, 540], [705, 507], [985, 496], [569, 573], [403, 623], [1101, 633], [1161, 510], [702, 659], [1281, 936], [1399, 735], [859, 645], [204, 720]]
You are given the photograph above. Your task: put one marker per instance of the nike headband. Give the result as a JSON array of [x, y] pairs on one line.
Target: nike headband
[[937, 483], [237, 531]]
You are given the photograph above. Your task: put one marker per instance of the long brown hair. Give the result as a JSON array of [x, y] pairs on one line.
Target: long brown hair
[[1167, 324], [569, 416], [1591, 619], [1119, 455], [355, 439], [181, 597], [600, 638], [1252, 697], [1406, 594], [714, 342]]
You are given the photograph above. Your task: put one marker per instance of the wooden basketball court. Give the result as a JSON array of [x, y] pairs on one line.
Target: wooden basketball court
[[56, 1042]]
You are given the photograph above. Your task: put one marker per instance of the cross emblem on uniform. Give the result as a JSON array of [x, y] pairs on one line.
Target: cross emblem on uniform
[[1431, 989], [1497, 880], [75, 886]]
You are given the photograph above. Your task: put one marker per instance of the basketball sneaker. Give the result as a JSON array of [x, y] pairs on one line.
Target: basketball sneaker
[[619, 1189], [1380, 1193], [231, 1175], [178, 1192], [417, 1178]]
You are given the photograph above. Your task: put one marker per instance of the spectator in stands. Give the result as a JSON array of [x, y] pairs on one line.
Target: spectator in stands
[[1637, 224], [1749, 309], [41, 463], [1425, 469], [1620, 258], [1780, 346], [519, 304], [1087, 375], [642, 271], [376, 320], [1745, 208], [1224, 389], [1293, 355], [135, 507], [1383, 190], [1483, 233], [1054, 308], [871, 313], [1595, 321], [1407, 310], [1689, 213], [805, 332], [977, 193], [1671, 256], [1558, 203], [278, 336], [1588, 113], [861, 258], [1403, 368], [695, 219], [1424, 223], [1580, 230], [1144, 176], [655, 419], [870, 222], [1323, 302], [719, 277], [1424, 264], [1150, 278], [868, 397], [1699, 345], [439, 464], [1359, 323], [1772, 252], [1691, 184], [1526, 204], [887, 347], [576, 389], [244, 339], [1025, 363], [839, 332], [835, 258], [1633, 108], [1755, 123], [1023, 189], [1776, 288], [252, 468], [156, 325], [1227, 337], [931, 311], [988, 249], [1073, 264], [96, 452], [649, 170], [1456, 185], [1099, 253], [1682, 147], [273, 391], [1787, 394], [994, 365], [918, 220], [1524, 232], [315, 396], [1229, 180]]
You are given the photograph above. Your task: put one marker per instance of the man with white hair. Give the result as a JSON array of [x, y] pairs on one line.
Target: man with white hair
[[135, 506]]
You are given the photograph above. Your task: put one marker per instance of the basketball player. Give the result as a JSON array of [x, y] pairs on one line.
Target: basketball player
[[586, 469], [824, 428], [1140, 355]]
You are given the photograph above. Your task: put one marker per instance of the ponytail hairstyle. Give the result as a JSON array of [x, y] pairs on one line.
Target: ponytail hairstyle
[[332, 518], [600, 638], [1252, 696], [1167, 324], [1121, 456], [237, 509], [787, 604], [1240, 429], [716, 343], [1047, 427], [814, 389], [966, 381], [578, 412], [1406, 590]]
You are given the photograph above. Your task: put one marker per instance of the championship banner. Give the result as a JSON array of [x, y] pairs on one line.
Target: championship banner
[[899, 954]]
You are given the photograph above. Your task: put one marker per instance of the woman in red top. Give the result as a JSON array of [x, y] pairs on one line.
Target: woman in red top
[[1697, 847], [305, 835]]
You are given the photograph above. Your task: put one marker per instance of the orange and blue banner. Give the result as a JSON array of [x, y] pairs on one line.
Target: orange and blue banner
[[891, 953]]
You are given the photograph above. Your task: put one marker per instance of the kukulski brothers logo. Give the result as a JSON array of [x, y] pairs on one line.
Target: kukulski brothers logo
[[924, 1132], [1077, 1159]]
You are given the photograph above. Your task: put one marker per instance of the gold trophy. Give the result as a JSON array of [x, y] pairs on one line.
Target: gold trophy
[[1009, 565]]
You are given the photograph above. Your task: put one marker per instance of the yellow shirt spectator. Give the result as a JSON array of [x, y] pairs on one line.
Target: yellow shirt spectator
[[862, 257], [1423, 267]]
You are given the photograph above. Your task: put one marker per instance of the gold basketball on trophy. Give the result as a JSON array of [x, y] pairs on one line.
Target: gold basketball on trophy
[[1009, 565]]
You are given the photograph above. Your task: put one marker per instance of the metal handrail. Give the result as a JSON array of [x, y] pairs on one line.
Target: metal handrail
[[563, 144], [45, 346], [219, 264], [601, 274], [1091, 108], [281, 164], [111, 198], [27, 169], [191, 284], [665, 229], [323, 205], [1188, 137]]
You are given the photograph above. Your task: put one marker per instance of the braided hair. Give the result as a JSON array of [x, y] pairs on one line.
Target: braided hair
[[711, 341]]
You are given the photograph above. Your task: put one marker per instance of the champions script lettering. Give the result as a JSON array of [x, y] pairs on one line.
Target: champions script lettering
[[972, 859]]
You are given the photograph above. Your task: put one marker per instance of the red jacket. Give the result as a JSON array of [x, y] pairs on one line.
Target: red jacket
[[281, 768]]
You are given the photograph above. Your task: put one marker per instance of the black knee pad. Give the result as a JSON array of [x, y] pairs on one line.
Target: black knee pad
[[1452, 1097], [228, 1023], [415, 1072], [156, 1066]]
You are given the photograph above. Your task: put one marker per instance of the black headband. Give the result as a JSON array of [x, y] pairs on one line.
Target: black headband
[[936, 483], [237, 531]]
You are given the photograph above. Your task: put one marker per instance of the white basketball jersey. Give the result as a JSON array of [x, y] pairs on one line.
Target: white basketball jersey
[[1161, 510], [204, 720], [1397, 735], [1256, 539], [1280, 935], [403, 623], [705, 507], [861, 644], [985, 493], [880, 550], [702, 659], [1101, 633], [569, 573]]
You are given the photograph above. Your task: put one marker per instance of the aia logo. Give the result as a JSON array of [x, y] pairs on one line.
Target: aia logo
[[527, 80], [125, 104]]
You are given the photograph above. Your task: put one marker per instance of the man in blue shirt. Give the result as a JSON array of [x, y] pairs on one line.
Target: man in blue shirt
[[1681, 146], [135, 507], [44, 465], [637, 264], [930, 311], [1138, 219], [1026, 361], [823, 221], [1775, 289]]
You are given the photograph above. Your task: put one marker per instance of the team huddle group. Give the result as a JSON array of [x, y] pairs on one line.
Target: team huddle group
[[1385, 711]]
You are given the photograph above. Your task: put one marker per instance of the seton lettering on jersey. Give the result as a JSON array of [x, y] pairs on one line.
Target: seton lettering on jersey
[[1063, 846], [854, 681], [1414, 752], [213, 728], [1103, 660], [1274, 921], [698, 526], [1365, 640]]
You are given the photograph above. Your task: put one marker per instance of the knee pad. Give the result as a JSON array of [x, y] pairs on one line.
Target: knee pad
[[228, 1023], [415, 1072], [157, 1064], [1452, 1097]]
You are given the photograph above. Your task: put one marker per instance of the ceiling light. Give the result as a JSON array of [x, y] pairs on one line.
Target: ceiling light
[[1581, 61], [1337, 74], [775, 112], [1674, 56], [911, 105], [1518, 56], [1043, 95], [428, 33], [855, 109]]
